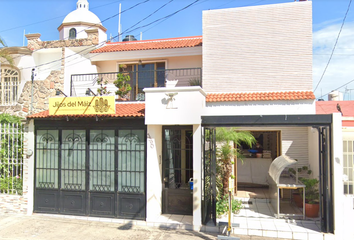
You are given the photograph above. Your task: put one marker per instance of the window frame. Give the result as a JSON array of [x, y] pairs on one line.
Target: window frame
[[348, 155], [74, 32], [9, 90]]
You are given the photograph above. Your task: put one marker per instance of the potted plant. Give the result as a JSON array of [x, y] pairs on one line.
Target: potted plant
[[122, 84], [312, 206], [297, 196]]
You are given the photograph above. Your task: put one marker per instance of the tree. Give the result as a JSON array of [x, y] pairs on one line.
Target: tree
[[228, 138], [4, 53]]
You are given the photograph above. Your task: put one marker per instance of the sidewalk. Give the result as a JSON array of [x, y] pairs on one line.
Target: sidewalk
[[47, 227]]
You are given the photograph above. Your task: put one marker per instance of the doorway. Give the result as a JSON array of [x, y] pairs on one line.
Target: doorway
[[177, 171]]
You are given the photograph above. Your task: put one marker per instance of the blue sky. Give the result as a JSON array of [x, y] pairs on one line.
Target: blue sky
[[45, 16]]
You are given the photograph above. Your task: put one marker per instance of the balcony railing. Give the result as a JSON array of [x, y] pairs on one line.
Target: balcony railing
[[81, 84]]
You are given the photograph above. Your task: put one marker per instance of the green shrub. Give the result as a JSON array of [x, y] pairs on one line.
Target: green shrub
[[222, 206], [11, 185]]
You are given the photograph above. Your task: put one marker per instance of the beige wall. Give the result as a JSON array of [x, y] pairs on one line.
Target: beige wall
[[184, 62], [171, 63], [258, 48]]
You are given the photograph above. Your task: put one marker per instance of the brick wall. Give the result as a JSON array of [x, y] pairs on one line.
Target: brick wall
[[258, 48]]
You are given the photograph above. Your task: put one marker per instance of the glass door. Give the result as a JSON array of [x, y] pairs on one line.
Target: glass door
[[178, 171]]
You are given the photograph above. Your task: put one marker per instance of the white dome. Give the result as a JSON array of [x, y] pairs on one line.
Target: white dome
[[82, 14]]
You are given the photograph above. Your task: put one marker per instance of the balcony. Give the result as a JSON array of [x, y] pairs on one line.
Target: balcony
[[81, 84]]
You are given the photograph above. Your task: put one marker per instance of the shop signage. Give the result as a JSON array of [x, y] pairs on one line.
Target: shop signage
[[95, 105]]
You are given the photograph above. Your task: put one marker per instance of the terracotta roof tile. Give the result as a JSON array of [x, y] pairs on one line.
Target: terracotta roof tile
[[260, 96], [124, 110], [183, 42]]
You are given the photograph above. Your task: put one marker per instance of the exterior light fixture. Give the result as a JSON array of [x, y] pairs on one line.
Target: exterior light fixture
[[58, 92], [89, 91]]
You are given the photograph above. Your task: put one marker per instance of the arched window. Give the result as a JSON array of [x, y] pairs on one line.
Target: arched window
[[72, 33], [9, 85]]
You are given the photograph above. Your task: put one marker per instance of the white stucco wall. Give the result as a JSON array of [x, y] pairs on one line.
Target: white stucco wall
[[153, 172], [258, 48], [184, 109], [197, 177], [337, 167], [260, 108], [77, 62], [46, 61], [24, 64], [348, 200]]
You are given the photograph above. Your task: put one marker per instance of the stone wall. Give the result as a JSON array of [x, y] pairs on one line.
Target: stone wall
[[34, 43], [13, 204], [42, 90]]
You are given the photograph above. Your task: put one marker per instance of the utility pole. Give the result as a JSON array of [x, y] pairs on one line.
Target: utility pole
[[32, 78], [119, 26]]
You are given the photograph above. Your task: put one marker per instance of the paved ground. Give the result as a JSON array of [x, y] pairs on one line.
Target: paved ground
[[50, 228]]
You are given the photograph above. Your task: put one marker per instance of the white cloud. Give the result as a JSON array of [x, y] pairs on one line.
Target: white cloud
[[340, 69]]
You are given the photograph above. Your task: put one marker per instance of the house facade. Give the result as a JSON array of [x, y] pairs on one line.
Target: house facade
[[138, 161]]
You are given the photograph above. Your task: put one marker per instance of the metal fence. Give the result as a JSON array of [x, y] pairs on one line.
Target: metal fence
[[11, 158], [138, 80]]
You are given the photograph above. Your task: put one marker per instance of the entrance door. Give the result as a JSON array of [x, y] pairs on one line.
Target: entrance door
[[177, 170]]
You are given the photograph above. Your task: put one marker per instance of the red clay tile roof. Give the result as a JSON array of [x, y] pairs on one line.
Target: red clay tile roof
[[260, 96], [182, 42], [328, 107], [126, 110]]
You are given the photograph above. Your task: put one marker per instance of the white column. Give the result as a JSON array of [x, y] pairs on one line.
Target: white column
[[153, 172], [197, 177], [30, 159], [338, 195]]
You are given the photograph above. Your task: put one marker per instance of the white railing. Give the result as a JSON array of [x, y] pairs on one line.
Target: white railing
[[11, 158]]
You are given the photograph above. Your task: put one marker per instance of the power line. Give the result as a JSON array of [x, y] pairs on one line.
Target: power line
[[47, 20], [168, 16], [334, 47], [84, 30], [126, 31], [338, 88]]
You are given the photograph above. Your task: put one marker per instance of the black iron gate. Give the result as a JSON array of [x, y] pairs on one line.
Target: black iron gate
[[209, 176], [91, 172], [325, 178]]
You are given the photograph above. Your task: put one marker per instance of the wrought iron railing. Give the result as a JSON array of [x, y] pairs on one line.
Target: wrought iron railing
[[81, 84]]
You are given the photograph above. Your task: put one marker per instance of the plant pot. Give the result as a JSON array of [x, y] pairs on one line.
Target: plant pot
[[312, 210], [298, 200]]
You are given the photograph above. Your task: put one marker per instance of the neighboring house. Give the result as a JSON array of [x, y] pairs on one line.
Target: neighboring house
[[346, 109], [135, 158]]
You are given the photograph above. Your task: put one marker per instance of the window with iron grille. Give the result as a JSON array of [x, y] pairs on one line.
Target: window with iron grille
[[9, 85]]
